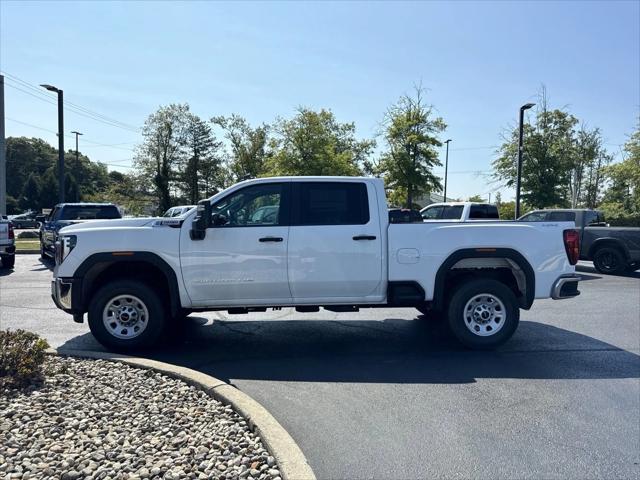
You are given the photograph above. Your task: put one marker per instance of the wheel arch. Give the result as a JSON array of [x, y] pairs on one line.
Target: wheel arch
[[608, 242], [513, 258], [147, 266]]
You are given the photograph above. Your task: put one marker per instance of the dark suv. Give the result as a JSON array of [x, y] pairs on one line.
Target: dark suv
[[65, 214]]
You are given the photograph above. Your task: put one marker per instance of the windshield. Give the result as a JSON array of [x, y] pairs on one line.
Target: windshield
[[95, 212]]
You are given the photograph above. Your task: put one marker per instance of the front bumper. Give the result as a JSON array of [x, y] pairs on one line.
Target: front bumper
[[65, 294], [565, 287]]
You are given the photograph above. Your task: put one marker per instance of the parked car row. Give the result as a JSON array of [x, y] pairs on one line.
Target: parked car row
[[613, 250]]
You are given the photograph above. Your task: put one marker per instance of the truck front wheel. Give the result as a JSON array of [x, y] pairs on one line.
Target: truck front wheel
[[127, 315], [483, 313]]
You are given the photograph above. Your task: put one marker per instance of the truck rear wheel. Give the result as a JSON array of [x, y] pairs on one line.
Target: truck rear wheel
[[608, 260], [127, 315], [483, 313]]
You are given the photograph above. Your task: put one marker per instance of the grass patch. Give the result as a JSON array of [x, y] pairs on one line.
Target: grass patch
[[27, 244]]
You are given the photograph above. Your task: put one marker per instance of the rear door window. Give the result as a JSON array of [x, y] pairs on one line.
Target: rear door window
[[330, 203], [452, 212], [561, 217]]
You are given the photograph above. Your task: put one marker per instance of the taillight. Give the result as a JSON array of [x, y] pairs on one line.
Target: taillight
[[572, 245], [11, 234]]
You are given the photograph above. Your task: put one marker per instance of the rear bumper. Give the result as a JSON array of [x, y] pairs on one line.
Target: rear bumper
[[565, 287], [7, 249]]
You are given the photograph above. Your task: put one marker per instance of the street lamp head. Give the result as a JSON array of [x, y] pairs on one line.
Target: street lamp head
[[447, 141], [77, 133], [527, 106], [51, 88]]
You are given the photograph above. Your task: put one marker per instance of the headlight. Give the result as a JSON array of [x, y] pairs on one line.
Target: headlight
[[64, 246]]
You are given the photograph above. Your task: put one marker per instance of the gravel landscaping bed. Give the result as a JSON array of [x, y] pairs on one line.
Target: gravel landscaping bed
[[95, 419]]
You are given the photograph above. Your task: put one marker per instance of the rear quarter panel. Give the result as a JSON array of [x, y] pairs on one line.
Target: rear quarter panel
[[416, 251]]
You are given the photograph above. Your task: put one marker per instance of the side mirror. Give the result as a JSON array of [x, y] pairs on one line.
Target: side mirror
[[202, 220], [41, 218]]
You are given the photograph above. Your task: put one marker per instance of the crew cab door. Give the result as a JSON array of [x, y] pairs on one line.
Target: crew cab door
[[335, 242], [243, 257]]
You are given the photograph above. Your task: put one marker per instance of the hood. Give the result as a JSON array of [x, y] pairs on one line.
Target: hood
[[79, 225]]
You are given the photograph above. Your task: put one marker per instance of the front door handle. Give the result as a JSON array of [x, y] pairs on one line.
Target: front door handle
[[364, 237], [270, 239]]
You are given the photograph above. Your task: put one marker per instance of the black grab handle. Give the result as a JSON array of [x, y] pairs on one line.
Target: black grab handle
[[364, 237], [270, 239]]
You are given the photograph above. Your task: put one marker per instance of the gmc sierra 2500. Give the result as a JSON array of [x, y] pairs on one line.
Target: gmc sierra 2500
[[307, 242]]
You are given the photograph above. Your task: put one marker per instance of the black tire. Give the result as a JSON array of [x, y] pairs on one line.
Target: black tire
[[9, 261], [459, 319], [156, 322], [609, 261]]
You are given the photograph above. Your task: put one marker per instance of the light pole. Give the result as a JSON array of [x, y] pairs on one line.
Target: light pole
[[77, 168], [51, 88], [446, 169], [526, 106]]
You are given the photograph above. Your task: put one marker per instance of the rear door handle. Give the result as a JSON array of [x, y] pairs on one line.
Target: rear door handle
[[270, 239], [364, 237]]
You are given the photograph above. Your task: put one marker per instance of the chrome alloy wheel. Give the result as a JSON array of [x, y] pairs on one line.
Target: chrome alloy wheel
[[484, 314], [125, 316]]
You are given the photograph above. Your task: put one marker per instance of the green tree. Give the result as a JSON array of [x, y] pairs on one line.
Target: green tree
[[49, 189], [547, 158], [164, 137], [128, 191], [623, 194], [411, 135], [30, 198], [201, 163], [315, 143], [476, 199], [248, 147]]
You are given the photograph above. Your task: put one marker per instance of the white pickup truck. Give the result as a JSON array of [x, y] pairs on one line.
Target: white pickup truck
[[307, 242]]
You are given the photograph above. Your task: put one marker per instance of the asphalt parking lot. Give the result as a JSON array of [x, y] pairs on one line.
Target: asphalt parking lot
[[385, 393]]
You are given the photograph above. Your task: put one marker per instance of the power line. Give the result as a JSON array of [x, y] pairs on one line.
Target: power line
[[73, 107], [71, 136], [474, 148]]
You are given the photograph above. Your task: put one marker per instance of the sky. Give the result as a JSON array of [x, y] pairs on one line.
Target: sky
[[478, 61]]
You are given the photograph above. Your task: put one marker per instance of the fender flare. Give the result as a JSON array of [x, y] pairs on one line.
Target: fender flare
[[97, 263], [608, 241], [513, 255]]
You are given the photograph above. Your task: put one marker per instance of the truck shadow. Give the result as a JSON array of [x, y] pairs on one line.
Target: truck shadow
[[388, 351], [591, 269]]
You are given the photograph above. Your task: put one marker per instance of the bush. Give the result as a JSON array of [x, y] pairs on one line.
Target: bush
[[29, 234], [22, 356]]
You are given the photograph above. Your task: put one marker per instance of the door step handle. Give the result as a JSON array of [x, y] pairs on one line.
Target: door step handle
[[364, 237], [270, 239]]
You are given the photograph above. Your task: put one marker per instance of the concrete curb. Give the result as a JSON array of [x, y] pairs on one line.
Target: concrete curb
[[291, 461], [20, 252]]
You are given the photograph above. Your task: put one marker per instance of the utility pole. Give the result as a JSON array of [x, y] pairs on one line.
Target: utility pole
[[526, 106], [3, 154], [77, 167], [51, 88], [446, 169]]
